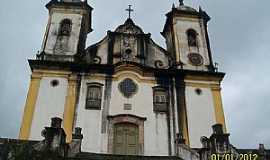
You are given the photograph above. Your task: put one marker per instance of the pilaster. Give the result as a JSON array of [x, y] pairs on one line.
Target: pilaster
[[69, 111], [219, 112], [30, 106]]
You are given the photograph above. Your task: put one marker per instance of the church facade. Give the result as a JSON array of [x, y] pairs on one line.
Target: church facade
[[129, 95]]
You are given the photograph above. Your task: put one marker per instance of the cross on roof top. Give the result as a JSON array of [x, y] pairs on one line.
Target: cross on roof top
[[129, 10]]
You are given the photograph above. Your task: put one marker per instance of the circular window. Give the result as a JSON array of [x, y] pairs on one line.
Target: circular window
[[128, 88], [127, 55], [198, 91], [195, 59], [54, 83], [128, 51]]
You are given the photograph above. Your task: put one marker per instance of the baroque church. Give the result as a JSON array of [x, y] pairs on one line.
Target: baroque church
[[124, 95]]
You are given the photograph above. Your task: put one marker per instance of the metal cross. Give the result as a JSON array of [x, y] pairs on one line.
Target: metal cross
[[129, 10], [181, 2]]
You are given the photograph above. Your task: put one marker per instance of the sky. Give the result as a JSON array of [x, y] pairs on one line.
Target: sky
[[240, 41]]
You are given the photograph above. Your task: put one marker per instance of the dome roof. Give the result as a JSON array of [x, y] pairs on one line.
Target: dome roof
[[183, 7], [186, 8], [129, 27]]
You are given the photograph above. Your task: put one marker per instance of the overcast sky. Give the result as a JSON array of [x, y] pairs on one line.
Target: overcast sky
[[240, 40]]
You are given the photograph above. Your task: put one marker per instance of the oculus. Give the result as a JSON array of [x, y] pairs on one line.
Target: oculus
[[195, 59], [198, 91], [54, 83], [127, 56], [128, 88]]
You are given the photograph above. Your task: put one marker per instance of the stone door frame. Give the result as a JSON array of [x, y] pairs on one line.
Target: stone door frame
[[126, 118]]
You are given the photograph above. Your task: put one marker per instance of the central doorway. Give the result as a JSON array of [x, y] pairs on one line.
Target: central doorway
[[126, 139]]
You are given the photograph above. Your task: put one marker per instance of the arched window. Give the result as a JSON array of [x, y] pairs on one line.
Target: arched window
[[94, 95], [160, 99], [65, 27], [192, 38]]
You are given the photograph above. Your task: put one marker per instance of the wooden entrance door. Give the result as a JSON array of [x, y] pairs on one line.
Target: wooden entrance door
[[126, 137]]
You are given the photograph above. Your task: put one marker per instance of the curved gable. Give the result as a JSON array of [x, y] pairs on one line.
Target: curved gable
[[128, 43]]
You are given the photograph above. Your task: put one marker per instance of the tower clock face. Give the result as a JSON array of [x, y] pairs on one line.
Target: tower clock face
[[195, 59]]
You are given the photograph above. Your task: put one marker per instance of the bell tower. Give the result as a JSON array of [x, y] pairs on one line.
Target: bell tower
[[66, 32], [53, 88], [198, 84], [187, 39]]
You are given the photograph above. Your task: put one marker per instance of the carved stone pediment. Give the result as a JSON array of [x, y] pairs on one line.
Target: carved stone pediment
[[128, 43], [129, 27]]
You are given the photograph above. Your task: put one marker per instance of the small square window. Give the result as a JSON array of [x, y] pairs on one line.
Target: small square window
[[127, 106]]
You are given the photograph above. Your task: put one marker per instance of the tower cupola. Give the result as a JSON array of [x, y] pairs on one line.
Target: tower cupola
[[66, 32], [187, 39]]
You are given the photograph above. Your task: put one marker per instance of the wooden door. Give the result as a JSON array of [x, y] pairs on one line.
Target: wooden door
[[126, 139]]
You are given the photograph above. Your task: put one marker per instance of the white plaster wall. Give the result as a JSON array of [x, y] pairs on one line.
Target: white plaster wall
[[200, 114], [89, 120], [169, 42], [102, 51], [50, 103], [182, 48], [54, 25], [155, 127]]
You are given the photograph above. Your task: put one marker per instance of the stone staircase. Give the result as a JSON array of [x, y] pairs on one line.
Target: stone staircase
[[90, 156]]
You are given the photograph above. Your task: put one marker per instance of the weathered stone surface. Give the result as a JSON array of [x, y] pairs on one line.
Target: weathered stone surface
[[54, 147], [84, 156]]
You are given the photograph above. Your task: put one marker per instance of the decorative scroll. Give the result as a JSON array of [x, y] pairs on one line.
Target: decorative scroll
[[159, 64], [96, 60]]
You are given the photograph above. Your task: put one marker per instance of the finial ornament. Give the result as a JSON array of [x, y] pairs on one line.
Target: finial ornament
[[181, 2], [129, 11], [173, 6]]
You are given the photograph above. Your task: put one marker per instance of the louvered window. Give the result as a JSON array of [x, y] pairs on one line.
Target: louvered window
[[192, 38], [160, 99], [65, 27], [94, 96]]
